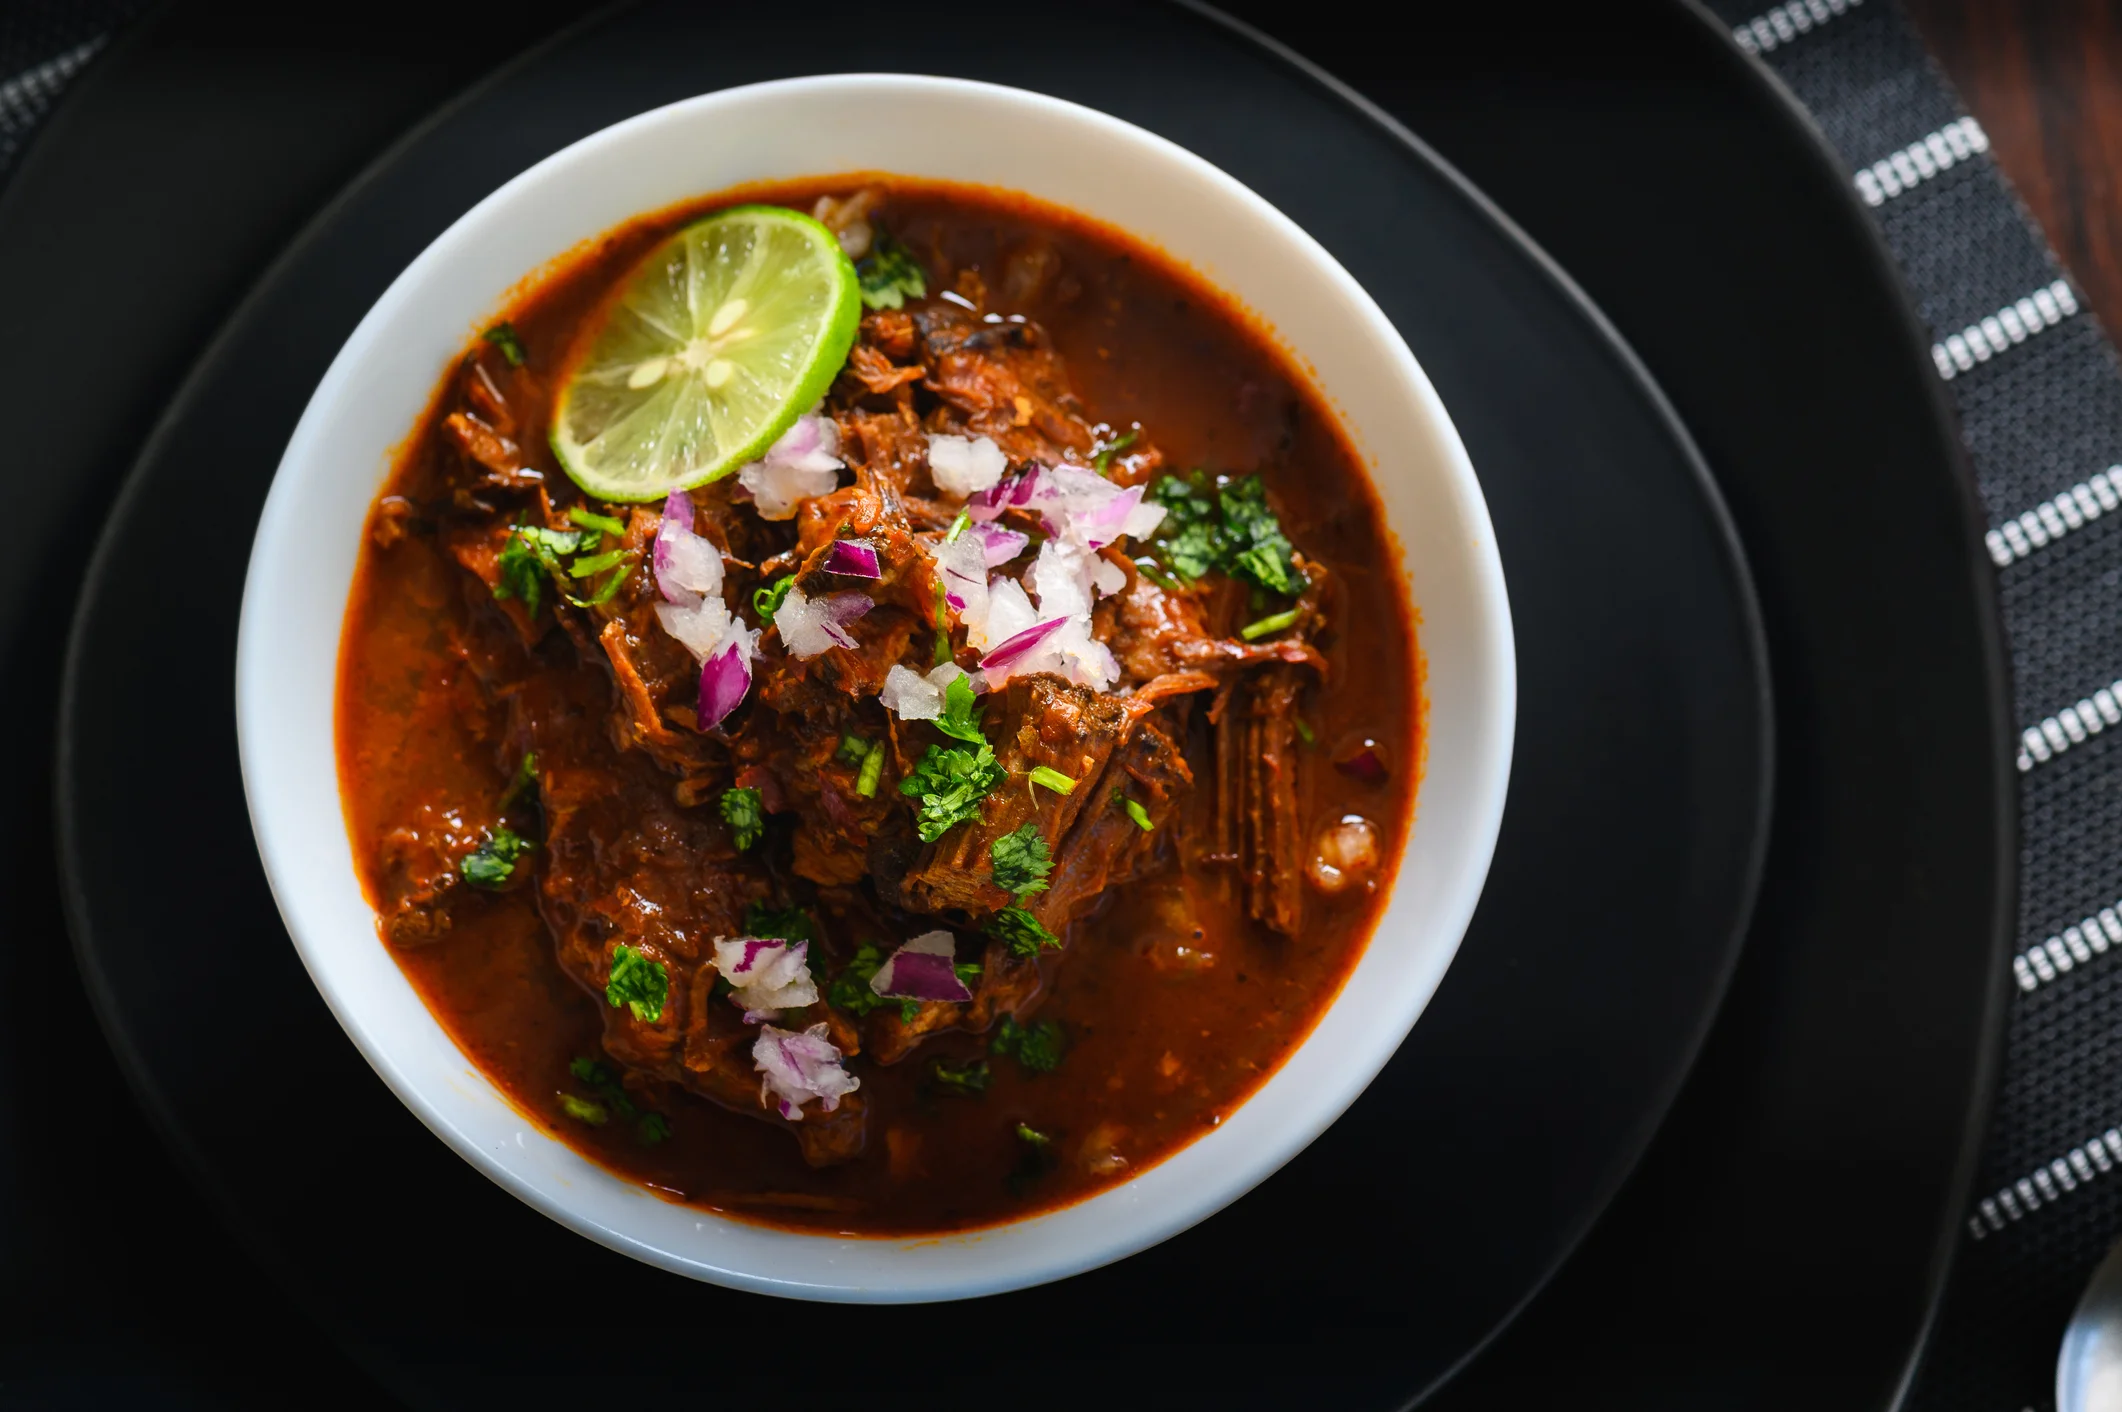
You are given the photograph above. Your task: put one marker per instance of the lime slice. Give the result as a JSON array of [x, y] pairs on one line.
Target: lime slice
[[718, 341]]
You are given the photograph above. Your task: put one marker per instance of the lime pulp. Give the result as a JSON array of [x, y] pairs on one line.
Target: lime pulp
[[714, 345]]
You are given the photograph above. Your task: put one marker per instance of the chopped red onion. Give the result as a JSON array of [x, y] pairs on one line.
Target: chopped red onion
[[997, 545], [962, 563], [1100, 524], [1364, 765], [802, 464], [688, 567], [765, 975], [800, 1066], [852, 558], [921, 970], [724, 678], [1022, 643]]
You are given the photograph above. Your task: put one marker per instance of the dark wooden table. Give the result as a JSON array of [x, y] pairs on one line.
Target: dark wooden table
[[2044, 78]]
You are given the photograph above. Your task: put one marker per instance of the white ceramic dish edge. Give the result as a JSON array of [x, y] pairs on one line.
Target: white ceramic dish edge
[[303, 559]]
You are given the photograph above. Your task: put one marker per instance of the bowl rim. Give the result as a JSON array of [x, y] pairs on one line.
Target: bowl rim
[[255, 688]]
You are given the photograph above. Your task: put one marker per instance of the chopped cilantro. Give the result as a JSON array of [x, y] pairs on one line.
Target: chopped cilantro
[[583, 516], [1021, 861], [651, 1128], [1227, 527], [1265, 555], [850, 989], [503, 337], [584, 1110], [590, 564], [1304, 733], [957, 526], [959, 721], [1135, 811], [1273, 622], [525, 781], [1037, 1047], [1148, 568], [531, 553], [767, 601], [492, 865], [853, 749], [967, 972], [745, 813], [890, 275], [1036, 1160], [950, 783], [1027, 1133], [1020, 931], [639, 984], [782, 923], [968, 1080], [1053, 779], [1104, 459], [872, 771]]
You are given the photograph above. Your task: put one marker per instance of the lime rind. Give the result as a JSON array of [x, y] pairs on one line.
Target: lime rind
[[721, 337]]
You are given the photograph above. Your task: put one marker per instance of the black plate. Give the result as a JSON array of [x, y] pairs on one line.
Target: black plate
[[1625, 872]]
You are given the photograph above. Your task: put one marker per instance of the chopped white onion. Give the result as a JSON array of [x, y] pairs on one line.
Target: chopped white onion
[[913, 697], [964, 467], [809, 626]]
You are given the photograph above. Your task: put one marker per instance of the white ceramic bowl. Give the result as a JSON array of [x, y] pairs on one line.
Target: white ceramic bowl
[[303, 562]]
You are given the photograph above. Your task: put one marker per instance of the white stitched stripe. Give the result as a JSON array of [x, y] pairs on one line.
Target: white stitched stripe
[[2068, 949], [1921, 160], [1786, 22], [2083, 503], [2007, 328], [2044, 1185], [2073, 725], [32, 88]]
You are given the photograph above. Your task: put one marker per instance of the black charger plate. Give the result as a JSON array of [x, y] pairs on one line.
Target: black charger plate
[[1373, 1263]]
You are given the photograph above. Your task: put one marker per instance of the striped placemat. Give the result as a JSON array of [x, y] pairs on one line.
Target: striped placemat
[[2040, 399], [2039, 394]]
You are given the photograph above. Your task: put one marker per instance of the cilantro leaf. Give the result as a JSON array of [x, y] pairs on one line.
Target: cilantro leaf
[[950, 785], [959, 720], [745, 813], [1020, 931], [638, 983], [492, 865], [767, 601], [783, 923], [968, 1080], [531, 554], [1021, 861], [850, 989], [651, 1128], [1038, 1048], [1261, 552], [1226, 527], [503, 336], [1032, 1137], [889, 274], [853, 749], [525, 782]]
